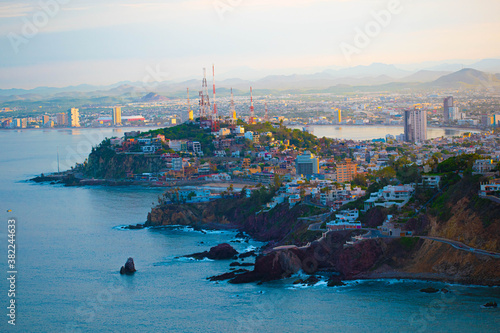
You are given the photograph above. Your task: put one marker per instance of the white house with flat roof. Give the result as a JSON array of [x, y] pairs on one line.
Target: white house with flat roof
[[390, 196], [347, 219]]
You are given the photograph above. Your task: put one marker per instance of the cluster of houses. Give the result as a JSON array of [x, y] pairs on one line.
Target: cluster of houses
[[327, 180], [131, 143]]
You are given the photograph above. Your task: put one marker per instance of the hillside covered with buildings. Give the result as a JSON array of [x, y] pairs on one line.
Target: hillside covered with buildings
[[397, 203]]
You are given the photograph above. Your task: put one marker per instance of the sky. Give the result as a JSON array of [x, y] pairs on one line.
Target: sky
[[71, 42]]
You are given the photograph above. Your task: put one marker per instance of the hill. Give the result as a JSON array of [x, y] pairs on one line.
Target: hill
[[152, 97], [466, 78]]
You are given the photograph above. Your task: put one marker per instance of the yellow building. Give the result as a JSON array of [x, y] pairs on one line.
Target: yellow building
[[117, 115], [346, 171], [246, 163], [74, 117]]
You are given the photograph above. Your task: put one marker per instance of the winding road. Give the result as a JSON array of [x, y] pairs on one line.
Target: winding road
[[461, 246], [374, 233]]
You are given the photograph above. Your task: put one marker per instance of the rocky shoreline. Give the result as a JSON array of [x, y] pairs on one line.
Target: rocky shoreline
[[368, 260]]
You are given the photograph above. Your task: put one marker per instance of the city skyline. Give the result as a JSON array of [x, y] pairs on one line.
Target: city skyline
[[158, 41]]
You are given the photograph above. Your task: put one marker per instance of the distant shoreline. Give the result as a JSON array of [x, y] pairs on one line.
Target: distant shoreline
[[85, 128], [478, 130]]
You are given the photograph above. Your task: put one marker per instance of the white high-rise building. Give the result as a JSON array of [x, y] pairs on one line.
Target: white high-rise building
[[415, 125]]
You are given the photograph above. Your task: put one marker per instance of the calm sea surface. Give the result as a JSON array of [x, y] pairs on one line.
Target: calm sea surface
[[70, 249]]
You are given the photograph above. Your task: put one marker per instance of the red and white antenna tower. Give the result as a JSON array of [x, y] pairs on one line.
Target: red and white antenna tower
[[215, 120], [266, 117], [252, 110]]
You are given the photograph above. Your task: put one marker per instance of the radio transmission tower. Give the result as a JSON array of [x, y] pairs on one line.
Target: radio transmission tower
[[204, 99], [215, 120]]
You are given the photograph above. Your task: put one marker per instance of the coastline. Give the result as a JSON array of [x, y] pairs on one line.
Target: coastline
[[66, 180], [150, 127], [355, 262], [84, 128]]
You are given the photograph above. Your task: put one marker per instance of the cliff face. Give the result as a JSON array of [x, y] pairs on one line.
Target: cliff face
[[189, 215], [389, 258], [459, 214], [467, 225], [278, 226], [442, 261], [104, 163]]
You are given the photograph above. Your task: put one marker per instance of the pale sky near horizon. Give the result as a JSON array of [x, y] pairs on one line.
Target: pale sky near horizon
[[103, 42]]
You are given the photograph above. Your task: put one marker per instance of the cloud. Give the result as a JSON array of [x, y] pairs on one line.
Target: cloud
[[15, 10]]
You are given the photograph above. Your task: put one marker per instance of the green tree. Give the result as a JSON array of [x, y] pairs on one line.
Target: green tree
[[277, 181], [359, 180], [462, 162], [386, 173]]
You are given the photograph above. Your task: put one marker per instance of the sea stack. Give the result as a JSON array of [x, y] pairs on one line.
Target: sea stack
[[129, 267]]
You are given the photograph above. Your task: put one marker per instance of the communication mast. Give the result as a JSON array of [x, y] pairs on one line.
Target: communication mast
[[215, 120], [204, 99], [252, 110]]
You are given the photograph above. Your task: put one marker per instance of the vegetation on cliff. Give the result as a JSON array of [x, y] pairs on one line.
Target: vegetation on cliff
[[460, 214], [104, 163], [296, 137], [186, 131]]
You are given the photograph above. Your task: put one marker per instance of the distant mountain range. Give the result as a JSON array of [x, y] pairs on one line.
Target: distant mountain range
[[467, 78], [376, 77]]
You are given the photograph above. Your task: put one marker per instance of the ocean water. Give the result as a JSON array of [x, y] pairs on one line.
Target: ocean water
[[70, 248]]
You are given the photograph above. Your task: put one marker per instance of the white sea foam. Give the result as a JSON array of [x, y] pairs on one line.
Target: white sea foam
[[191, 259], [250, 248]]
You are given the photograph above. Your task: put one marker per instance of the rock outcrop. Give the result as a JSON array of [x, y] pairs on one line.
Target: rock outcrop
[[128, 268], [222, 251], [335, 281], [429, 290]]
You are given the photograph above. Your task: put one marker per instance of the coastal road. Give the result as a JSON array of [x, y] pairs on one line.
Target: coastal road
[[375, 233], [461, 246], [315, 226]]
